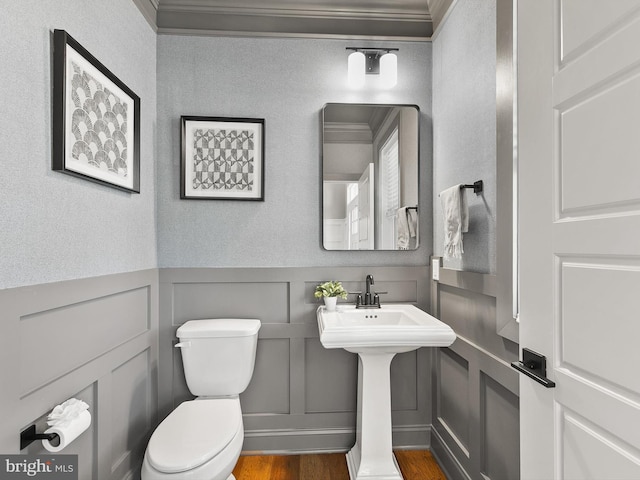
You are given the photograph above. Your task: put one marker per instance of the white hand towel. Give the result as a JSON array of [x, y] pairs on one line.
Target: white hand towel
[[412, 219], [456, 220], [406, 227], [402, 228]]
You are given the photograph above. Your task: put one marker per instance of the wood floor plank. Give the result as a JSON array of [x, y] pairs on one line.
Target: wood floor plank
[[285, 466], [414, 464], [253, 468], [325, 466], [418, 464]]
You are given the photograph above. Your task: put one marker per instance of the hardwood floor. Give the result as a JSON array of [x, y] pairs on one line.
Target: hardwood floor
[[419, 465], [414, 464]]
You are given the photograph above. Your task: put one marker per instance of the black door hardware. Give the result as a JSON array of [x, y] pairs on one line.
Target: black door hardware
[[534, 366]]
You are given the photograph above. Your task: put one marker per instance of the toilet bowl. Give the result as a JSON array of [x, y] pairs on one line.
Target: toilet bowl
[[202, 438]]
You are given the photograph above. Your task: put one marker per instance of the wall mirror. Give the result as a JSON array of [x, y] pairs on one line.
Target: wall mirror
[[370, 177]]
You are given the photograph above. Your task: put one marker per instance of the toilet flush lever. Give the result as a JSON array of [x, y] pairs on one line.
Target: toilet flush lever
[[182, 345]]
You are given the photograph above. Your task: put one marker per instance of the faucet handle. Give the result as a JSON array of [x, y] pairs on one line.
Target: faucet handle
[[381, 293], [358, 297]]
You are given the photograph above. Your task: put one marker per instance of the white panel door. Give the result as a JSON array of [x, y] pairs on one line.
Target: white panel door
[[579, 233]]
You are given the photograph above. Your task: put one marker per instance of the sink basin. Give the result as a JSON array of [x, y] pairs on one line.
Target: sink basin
[[389, 329], [376, 335]]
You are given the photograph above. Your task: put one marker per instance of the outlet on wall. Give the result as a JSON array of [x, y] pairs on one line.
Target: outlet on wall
[[435, 269]]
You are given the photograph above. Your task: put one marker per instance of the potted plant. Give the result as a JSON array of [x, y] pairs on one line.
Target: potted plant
[[330, 291]]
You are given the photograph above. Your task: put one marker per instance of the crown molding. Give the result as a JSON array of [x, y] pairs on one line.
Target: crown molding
[[440, 12], [251, 18], [337, 132], [149, 10], [301, 8]]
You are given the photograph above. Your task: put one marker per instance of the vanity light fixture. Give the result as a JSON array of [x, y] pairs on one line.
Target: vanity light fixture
[[372, 61]]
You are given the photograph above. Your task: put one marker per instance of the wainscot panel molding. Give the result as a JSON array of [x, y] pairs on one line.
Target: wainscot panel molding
[[302, 397], [94, 339], [475, 428]]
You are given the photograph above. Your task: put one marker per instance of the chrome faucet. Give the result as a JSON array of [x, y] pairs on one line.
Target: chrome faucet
[[370, 300]]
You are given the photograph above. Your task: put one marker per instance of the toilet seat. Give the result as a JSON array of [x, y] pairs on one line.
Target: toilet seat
[[194, 433]]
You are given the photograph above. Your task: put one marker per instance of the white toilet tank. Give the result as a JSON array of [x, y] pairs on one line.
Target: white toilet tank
[[218, 355]]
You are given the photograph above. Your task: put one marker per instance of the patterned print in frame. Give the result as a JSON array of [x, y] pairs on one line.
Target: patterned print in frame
[[222, 158], [96, 127]]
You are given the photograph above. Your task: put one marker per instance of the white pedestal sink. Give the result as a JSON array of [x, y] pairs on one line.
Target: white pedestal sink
[[376, 335]]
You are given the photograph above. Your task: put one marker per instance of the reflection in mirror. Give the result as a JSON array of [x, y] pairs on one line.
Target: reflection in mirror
[[370, 177]]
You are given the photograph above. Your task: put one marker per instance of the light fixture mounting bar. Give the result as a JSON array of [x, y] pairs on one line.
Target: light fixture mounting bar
[[372, 57], [367, 49]]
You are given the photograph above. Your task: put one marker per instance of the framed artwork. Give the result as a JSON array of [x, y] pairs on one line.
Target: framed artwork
[[222, 158], [96, 119]]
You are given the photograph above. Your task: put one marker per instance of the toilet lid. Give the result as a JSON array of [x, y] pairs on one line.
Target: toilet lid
[[194, 433]]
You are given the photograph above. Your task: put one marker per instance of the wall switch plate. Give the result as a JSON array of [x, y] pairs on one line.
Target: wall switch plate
[[435, 269]]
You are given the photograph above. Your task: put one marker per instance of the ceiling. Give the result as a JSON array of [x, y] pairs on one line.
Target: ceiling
[[412, 20], [353, 113], [352, 123]]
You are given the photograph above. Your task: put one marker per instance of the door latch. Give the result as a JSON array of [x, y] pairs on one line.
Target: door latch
[[534, 366]]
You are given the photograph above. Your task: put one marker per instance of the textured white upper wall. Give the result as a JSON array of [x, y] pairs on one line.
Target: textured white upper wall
[[54, 226], [286, 82], [464, 134]]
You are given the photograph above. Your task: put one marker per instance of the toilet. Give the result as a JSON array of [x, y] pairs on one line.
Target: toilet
[[202, 438]]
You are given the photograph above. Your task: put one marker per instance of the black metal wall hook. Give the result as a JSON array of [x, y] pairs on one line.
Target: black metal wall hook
[[477, 186], [29, 435]]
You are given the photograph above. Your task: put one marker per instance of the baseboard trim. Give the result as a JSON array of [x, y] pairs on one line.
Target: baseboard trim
[[297, 441], [412, 437], [329, 440], [447, 461]]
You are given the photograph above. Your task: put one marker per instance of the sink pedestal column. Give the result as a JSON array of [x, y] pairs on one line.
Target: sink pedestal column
[[372, 455]]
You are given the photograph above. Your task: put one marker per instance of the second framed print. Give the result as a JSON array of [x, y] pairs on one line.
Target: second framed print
[[222, 158]]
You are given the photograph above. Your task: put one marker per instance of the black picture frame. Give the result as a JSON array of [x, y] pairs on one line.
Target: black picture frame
[[96, 119], [222, 158]]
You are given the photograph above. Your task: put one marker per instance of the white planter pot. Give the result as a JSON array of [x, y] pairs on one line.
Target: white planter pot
[[330, 303]]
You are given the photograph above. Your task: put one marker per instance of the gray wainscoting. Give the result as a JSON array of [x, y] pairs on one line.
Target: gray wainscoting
[[475, 431], [302, 397], [94, 339]]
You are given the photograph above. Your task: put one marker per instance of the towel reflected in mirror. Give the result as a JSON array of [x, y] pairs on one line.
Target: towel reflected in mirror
[[407, 227]]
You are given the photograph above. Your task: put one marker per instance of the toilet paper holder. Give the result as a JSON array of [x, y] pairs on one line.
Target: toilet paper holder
[[29, 435]]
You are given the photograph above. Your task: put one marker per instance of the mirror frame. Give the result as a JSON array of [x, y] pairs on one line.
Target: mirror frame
[[322, 163]]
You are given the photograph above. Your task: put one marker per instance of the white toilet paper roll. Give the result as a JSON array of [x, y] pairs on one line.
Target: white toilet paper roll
[[68, 433]]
